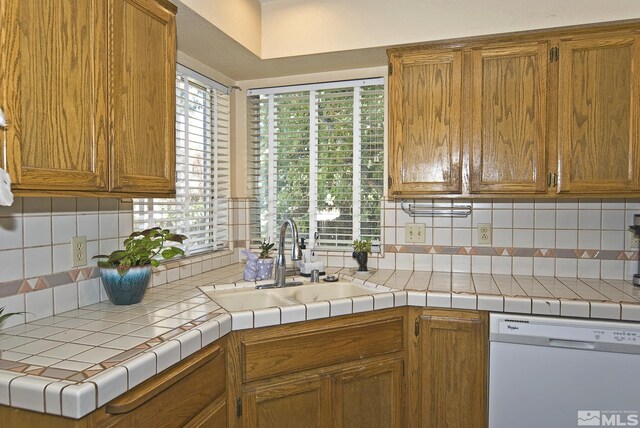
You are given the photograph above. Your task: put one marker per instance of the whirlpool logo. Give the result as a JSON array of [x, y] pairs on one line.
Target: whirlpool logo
[[607, 418]]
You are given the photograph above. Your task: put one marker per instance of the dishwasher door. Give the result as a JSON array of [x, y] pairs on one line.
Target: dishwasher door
[[552, 372]]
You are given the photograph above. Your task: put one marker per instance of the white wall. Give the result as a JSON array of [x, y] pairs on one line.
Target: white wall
[[240, 19], [301, 27]]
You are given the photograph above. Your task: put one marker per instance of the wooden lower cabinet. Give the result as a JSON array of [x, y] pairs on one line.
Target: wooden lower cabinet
[[448, 381], [369, 395], [192, 393], [343, 372], [302, 402]]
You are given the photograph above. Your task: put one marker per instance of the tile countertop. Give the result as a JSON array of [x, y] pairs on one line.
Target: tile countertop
[[73, 363]]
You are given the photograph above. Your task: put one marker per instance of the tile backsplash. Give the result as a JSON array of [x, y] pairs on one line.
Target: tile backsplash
[[548, 237], [35, 233], [569, 238]]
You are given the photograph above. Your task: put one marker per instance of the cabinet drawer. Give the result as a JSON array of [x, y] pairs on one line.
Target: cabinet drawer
[[264, 358], [174, 397]]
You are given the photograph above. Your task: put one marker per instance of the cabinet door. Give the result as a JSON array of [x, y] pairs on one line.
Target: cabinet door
[[425, 149], [508, 111], [53, 92], [301, 403], [453, 363], [598, 114], [142, 147], [369, 396]]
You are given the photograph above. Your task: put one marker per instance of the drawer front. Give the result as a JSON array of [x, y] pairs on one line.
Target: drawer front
[[290, 354], [181, 394]]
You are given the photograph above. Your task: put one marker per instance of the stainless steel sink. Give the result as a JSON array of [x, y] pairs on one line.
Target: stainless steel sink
[[243, 299]]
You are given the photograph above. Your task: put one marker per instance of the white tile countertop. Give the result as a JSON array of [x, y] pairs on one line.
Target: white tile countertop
[[74, 362]]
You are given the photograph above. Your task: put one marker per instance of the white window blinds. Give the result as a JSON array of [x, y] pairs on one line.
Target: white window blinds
[[200, 209], [316, 156]]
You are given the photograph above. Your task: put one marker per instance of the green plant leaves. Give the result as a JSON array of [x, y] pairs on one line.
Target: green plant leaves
[[141, 248]]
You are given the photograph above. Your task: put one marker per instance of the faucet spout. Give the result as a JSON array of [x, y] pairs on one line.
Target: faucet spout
[[296, 252]]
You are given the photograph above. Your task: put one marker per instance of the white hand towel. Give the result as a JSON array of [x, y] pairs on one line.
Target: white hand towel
[[6, 197], [3, 121]]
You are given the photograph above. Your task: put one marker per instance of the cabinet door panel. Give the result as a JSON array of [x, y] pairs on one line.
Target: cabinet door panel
[[143, 107], [54, 93], [598, 111], [453, 363], [425, 145], [369, 396], [508, 119], [302, 403]]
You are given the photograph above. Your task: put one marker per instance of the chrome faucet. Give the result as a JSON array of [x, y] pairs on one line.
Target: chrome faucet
[[296, 252]]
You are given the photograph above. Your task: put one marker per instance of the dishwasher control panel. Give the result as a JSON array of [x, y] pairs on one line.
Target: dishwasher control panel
[[563, 332]]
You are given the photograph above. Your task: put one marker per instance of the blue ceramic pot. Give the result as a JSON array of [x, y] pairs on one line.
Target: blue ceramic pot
[[127, 289]]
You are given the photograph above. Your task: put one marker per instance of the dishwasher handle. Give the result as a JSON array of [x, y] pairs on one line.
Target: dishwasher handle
[[574, 344]]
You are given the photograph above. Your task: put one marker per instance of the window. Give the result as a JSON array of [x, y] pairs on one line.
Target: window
[[200, 209], [316, 156]]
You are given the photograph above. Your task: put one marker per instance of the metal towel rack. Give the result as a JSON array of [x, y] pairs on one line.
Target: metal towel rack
[[427, 209]]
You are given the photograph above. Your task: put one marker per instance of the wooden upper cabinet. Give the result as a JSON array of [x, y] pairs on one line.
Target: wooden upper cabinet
[[53, 93], [508, 109], [142, 150], [425, 91], [598, 111]]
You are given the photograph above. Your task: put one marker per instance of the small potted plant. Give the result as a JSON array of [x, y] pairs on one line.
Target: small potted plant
[[265, 263], [361, 250], [126, 273]]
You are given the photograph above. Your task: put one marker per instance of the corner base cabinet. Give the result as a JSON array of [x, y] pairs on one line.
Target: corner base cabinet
[[344, 372]]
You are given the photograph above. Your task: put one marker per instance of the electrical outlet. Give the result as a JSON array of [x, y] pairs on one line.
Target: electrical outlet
[[415, 232], [484, 234], [78, 251], [634, 240]]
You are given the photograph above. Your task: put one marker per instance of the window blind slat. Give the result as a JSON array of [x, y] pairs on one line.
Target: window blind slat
[[307, 149], [200, 209]]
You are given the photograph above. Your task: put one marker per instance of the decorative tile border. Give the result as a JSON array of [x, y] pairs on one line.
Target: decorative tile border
[[560, 253], [176, 269]]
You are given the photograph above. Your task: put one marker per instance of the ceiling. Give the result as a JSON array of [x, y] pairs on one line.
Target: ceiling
[[200, 39]]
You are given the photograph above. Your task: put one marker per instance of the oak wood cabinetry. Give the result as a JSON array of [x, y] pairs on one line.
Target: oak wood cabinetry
[[425, 93], [449, 361], [540, 113], [339, 372], [88, 91], [508, 107], [599, 114]]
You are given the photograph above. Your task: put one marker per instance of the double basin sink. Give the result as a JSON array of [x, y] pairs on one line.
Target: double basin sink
[[244, 299]]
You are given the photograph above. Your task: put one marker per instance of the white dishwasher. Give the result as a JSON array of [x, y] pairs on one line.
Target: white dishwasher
[[547, 372]]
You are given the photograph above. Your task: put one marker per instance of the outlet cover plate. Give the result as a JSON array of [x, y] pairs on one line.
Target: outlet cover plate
[[78, 251], [484, 234], [415, 233]]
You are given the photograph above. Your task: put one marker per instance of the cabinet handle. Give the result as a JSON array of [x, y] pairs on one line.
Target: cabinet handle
[[548, 179], [555, 180], [3, 120], [151, 388]]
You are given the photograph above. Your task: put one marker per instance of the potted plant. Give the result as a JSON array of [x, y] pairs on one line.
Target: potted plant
[[126, 273], [361, 250], [265, 263]]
